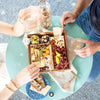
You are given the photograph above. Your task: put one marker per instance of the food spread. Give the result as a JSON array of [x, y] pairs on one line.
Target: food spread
[[50, 51]]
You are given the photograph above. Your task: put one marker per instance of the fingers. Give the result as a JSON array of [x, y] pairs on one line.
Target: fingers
[[68, 20], [35, 69], [24, 12], [80, 50], [82, 40], [34, 72], [21, 12], [62, 21], [64, 26], [35, 64], [27, 11], [67, 17], [64, 16], [84, 52], [83, 55], [35, 76]]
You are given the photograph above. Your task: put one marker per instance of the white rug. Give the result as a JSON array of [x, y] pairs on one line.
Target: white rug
[[4, 76]]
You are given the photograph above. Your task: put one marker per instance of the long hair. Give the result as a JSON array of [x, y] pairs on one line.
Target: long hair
[[95, 14]]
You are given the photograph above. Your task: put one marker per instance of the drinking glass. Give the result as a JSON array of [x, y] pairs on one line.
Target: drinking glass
[[31, 17]]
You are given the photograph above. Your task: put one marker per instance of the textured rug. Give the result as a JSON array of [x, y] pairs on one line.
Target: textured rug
[[8, 13]]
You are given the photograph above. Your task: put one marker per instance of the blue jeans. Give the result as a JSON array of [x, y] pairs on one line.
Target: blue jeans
[[84, 22]]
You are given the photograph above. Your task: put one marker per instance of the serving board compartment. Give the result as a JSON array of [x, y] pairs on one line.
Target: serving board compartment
[[56, 58]]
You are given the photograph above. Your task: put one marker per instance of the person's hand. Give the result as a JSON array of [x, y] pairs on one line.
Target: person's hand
[[90, 48], [31, 17], [67, 17], [27, 74], [29, 10], [19, 28]]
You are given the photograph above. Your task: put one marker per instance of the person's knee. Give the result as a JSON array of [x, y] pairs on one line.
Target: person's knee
[[95, 71], [90, 79]]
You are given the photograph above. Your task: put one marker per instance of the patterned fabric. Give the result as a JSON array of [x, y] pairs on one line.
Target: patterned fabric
[[84, 22]]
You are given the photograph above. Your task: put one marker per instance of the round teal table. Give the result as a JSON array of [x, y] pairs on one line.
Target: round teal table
[[17, 59]]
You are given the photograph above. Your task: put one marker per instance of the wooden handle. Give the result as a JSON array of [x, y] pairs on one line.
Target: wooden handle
[[66, 85], [75, 75]]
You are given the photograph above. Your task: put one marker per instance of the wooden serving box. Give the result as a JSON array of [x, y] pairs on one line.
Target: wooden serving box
[[51, 35]]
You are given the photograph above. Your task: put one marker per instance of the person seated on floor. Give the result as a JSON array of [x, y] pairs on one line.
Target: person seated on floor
[[26, 75], [19, 28], [89, 20], [16, 30]]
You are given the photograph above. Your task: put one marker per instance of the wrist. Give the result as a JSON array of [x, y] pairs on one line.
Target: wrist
[[75, 13], [16, 82], [98, 46], [11, 87]]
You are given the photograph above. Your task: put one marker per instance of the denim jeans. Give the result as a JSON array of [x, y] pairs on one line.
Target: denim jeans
[[83, 21]]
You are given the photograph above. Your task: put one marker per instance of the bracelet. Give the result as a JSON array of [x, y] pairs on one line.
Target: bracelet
[[10, 88], [14, 84]]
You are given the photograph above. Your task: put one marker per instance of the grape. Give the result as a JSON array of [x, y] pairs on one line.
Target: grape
[[65, 63], [60, 67], [63, 47], [65, 58], [61, 63], [64, 53]]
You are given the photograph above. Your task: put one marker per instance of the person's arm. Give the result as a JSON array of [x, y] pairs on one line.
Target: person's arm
[[12, 30], [27, 74], [19, 28], [6, 28], [6, 93], [80, 6], [69, 17]]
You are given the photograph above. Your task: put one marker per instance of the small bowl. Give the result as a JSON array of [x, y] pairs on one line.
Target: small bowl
[[35, 95]]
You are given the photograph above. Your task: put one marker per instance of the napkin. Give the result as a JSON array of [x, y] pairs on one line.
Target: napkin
[[65, 76], [60, 77]]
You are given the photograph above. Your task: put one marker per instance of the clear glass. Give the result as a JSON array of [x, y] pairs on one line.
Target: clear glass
[[31, 17]]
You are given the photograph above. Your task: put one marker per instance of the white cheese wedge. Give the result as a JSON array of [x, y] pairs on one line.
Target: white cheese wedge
[[57, 31]]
